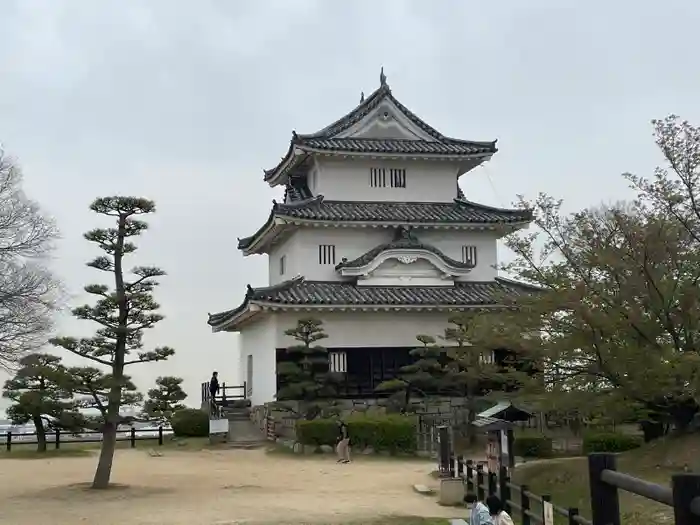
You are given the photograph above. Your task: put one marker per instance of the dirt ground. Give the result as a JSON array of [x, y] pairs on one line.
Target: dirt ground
[[212, 488]]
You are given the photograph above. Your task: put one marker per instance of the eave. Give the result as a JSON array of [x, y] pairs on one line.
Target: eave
[[298, 153]]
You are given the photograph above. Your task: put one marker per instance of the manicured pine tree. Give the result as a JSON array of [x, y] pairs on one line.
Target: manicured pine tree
[[40, 395], [123, 313], [304, 375]]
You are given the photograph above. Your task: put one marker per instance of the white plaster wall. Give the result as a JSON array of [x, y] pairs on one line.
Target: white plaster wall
[[259, 340], [349, 242], [302, 250], [293, 262], [451, 242], [348, 180], [366, 329]]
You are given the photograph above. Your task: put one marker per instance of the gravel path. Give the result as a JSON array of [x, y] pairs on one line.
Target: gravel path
[[211, 488]]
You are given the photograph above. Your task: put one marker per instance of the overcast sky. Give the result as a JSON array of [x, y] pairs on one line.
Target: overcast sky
[[185, 102]]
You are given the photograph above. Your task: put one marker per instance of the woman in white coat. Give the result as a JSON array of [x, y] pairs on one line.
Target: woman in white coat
[[498, 515]]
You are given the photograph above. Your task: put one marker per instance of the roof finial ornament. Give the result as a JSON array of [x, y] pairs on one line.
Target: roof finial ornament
[[362, 97], [382, 78]]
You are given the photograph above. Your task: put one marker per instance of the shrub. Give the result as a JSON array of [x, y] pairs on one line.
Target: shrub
[[190, 422], [533, 446], [610, 442], [384, 433]]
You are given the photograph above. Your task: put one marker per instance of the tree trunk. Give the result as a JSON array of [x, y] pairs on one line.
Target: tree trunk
[[40, 434], [104, 464]]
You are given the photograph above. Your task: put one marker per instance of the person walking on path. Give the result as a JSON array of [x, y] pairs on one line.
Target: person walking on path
[[343, 446], [479, 511], [498, 515], [213, 389]]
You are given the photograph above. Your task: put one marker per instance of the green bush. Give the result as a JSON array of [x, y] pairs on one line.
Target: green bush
[[384, 433], [610, 442], [533, 446], [190, 422]]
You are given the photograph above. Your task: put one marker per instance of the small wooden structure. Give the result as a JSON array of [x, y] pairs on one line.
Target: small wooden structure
[[499, 442]]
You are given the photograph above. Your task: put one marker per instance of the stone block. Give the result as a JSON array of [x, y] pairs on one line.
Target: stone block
[[423, 489], [451, 492]]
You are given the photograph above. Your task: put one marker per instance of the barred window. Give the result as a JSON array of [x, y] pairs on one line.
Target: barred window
[[398, 178], [469, 255], [326, 254], [377, 178], [337, 362]]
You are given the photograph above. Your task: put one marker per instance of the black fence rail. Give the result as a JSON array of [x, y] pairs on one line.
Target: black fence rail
[[58, 437], [605, 483]]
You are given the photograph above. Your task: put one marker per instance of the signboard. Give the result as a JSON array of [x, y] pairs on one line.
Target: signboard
[[547, 513], [218, 426], [504, 443]]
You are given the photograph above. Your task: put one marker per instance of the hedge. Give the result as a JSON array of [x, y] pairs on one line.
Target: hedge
[[384, 433], [533, 446], [190, 422], [610, 442]]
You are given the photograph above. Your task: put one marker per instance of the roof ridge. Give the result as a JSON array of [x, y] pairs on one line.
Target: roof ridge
[[490, 208], [281, 286], [506, 280]]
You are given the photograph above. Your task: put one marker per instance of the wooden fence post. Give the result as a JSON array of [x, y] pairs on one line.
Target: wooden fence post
[[460, 467], [444, 451], [605, 501], [57, 442], [493, 483], [480, 482], [8, 441], [504, 489], [223, 392], [524, 505], [470, 475], [572, 513], [160, 436], [686, 488], [133, 437]]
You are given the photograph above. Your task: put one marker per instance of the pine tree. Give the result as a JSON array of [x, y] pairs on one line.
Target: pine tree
[[41, 395], [164, 400], [123, 314], [474, 371], [427, 375], [304, 375]]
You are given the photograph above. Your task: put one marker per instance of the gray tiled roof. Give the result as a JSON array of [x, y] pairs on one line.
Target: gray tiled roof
[[326, 293], [403, 238], [418, 147], [327, 140], [455, 212]]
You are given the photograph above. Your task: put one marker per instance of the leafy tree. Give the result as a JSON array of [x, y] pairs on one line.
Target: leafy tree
[[39, 393], [164, 400], [304, 375], [122, 313], [427, 375], [617, 319], [28, 291]]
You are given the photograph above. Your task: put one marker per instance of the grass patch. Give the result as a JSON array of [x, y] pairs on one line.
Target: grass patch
[[566, 480], [78, 449]]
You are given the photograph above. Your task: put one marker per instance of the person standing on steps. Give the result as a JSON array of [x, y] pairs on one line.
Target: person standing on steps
[[214, 389], [343, 446]]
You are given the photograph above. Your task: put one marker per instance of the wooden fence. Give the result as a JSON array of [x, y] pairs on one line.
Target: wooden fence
[[58, 437], [605, 483]]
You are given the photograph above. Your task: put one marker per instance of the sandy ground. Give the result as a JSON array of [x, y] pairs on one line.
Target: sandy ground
[[212, 488]]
